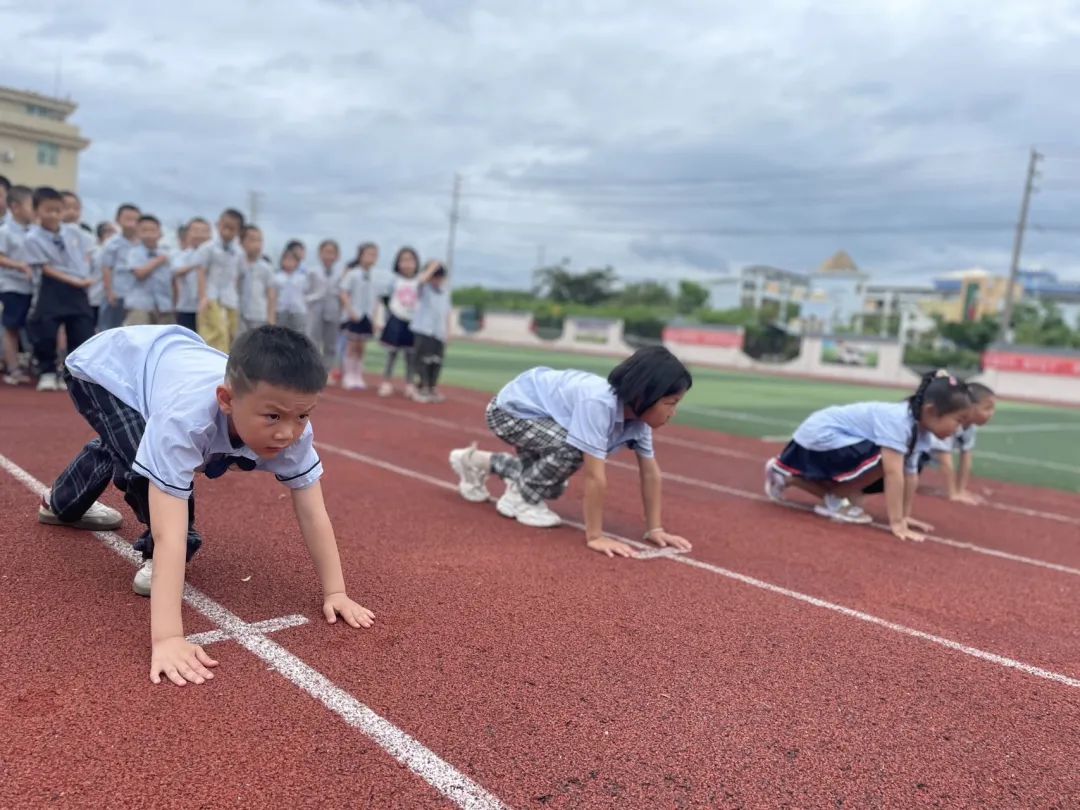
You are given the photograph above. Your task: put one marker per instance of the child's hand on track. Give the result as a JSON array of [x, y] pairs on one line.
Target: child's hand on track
[[968, 498], [665, 539], [612, 548], [902, 531], [353, 614], [919, 525], [180, 661]]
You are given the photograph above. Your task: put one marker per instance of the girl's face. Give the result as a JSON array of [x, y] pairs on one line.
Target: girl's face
[[328, 255], [663, 411], [407, 265], [944, 426], [289, 262], [982, 412], [369, 257]]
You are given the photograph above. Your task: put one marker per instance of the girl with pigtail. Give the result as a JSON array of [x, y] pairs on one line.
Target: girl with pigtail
[[842, 453]]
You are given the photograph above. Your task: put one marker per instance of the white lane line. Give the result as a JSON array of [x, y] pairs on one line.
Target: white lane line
[[1030, 462], [442, 776], [268, 626], [735, 492], [941, 641], [1034, 427]]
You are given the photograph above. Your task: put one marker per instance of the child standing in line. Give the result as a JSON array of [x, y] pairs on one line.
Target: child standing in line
[[431, 326], [358, 303], [167, 406], [258, 296], [186, 270], [16, 278], [150, 300], [219, 284], [324, 305], [844, 452], [56, 255], [559, 421], [982, 410], [104, 231], [401, 298], [292, 285], [116, 275]]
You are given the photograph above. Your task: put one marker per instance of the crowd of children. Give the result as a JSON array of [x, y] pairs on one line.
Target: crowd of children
[[61, 282]]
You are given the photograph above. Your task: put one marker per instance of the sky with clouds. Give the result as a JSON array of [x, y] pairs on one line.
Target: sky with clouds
[[668, 140]]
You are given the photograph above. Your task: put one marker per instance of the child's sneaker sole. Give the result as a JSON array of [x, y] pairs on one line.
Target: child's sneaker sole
[[858, 519], [99, 519]]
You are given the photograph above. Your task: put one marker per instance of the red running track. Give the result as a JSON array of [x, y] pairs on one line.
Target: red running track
[[551, 676]]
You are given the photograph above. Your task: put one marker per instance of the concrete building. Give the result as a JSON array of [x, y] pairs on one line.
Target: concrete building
[[836, 299], [754, 286], [38, 147], [968, 295]]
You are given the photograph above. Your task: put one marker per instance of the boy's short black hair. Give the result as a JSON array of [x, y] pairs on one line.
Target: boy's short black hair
[[126, 207], [293, 244], [278, 356], [43, 194], [197, 220], [232, 213], [68, 193], [5, 184], [251, 226], [18, 194], [647, 376], [979, 392], [149, 218], [332, 243], [102, 228]]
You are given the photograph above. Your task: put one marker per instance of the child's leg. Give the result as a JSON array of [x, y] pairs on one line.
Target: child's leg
[[43, 328], [544, 461], [410, 368], [391, 361], [11, 350]]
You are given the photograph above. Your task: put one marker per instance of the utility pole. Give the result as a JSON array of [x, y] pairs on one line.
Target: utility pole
[[253, 205], [455, 215], [1018, 245]]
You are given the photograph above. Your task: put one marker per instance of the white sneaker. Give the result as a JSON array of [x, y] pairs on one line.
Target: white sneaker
[[386, 390], [511, 503], [60, 384], [537, 515], [47, 382], [473, 476], [98, 518], [775, 481], [842, 510], [141, 583]]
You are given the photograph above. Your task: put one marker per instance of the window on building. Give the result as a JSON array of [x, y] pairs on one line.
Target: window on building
[[48, 154], [43, 112]]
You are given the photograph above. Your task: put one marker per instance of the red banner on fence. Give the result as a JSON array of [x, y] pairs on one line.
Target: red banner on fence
[[690, 336], [1032, 363]]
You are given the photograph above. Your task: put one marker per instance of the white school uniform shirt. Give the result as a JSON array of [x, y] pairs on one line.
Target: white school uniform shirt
[[115, 255], [155, 291], [360, 286], [886, 424], [432, 312], [61, 251], [170, 376], [326, 286], [7, 219], [222, 262], [187, 285], [404, 296], [13, 246], [963, 440], [96, 292], [582, 403], [256, 279], [292, 289]]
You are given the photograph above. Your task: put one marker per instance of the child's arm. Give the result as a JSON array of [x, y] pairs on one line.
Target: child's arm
[[429, 270], [944, 458], [963, 480], [11, 264], [322, 546], [145, 271], [203, 300], [651, 486], [271, 305], [346, 306], [595, 487], [897, 497], [66, 278], [171, 655]]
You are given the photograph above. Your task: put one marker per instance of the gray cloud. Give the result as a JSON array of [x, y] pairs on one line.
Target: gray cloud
[[665, 143]]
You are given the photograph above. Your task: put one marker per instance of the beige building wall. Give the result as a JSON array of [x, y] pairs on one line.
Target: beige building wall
[[38, 147]]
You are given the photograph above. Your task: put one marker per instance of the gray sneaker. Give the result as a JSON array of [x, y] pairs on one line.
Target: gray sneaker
[[98, 518], [472, 476]]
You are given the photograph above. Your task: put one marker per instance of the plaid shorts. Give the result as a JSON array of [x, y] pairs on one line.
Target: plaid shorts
[[544, 461]]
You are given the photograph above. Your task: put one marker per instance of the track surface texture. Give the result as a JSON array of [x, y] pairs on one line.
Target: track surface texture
[[784, 662]]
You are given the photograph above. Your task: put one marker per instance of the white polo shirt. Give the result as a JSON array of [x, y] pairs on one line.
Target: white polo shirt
[[170, 376], [886, 424], [582, 403]]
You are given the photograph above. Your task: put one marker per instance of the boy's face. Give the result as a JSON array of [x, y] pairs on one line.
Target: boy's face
[[49, 214], [253, 244], [268, 419], [198, 232], [369, 257], [228, 228], [149, 233], [982, 412], [128, 222], [72, 209], [23, 211]]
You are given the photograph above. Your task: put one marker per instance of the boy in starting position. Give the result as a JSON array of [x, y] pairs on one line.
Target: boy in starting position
[[165, 406]]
